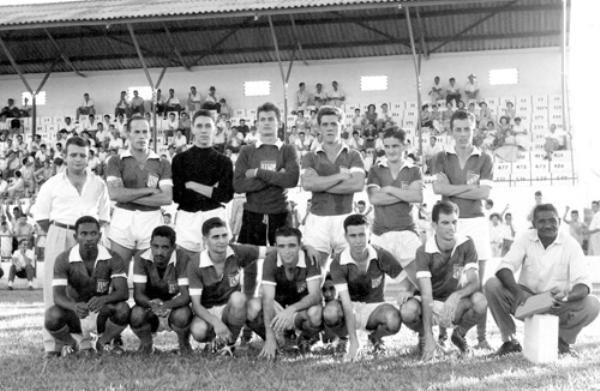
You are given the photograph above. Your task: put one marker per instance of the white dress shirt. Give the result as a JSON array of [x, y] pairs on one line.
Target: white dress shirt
[[561, 265], [58, 200]]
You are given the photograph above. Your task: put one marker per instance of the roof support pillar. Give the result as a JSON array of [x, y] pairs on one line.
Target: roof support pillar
[[175, 49], [284, 79], [566, 120], [417, 76], [62, 54]]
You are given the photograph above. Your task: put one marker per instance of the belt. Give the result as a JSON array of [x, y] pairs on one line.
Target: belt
[[61, 225]]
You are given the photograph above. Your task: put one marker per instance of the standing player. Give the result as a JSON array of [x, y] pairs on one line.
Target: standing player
[[464, 176], [217, 301], [448, 282], [291, 297], [202, 184], [83, 301], [264, 171], [393, 184], [358, 273], [333, 173], [140, 183], [62, 199], [161, 293]]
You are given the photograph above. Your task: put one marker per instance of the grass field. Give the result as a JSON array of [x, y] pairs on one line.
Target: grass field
[[22, 366]]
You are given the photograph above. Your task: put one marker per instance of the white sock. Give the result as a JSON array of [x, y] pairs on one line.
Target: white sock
[[30, 283], [10, 283]]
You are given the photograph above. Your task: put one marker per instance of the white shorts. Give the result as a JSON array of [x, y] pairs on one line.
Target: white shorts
[[188, 226], [478, 229], [325, 233], [133, 228], [362, 312], [402, 245], [88, 329]]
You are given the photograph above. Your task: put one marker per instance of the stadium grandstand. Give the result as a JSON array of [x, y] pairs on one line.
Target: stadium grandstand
[[88, 67]]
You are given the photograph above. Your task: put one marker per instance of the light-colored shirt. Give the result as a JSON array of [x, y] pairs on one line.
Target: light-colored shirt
[[561, 265], [20, 261], [58, 200]]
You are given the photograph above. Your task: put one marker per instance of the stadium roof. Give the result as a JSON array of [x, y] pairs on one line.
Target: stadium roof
[[93, 35]]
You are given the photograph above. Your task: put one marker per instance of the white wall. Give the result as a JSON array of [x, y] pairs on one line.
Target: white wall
[[539, 73]]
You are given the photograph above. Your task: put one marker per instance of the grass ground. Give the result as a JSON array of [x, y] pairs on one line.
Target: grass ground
[[22, 366]]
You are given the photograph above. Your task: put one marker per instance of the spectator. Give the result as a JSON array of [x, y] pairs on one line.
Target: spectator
[[498, 233], [122, 106], [185, 124], [6, 240], [86, 107], [102, 134], [538, 201], [10, 110], [137, 104], [319, 97], [235, 140], [161, 105], [22, 264], [17, 188], [509, 110], [179, 141], [385, 118], [243, 128], [303, 143], [594, 230], [251, 137], [426, 119], [356, 142], [226, 111], [194, 101], [379, 142], [3, 185], [577, 228], [452, 91], [94, 163], [430, 150], [370, 117], [336, 96], [556, 140], [212, 96], [121, 125], [472, 88], [302, 97], [172, 124], [26, 108], [485, 115], [357, 121], [436, 92], [173, 103], [360, 207]]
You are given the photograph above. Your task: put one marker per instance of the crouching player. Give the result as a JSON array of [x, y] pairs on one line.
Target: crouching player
[[358, 273], [290, 295], [83, 303], [161, 293], [448, 280], [217, 301]]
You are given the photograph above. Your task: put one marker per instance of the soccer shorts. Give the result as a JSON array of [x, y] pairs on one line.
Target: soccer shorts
[[478, 229], [402, 245], [133, 228], [188, 226], [325, 233]]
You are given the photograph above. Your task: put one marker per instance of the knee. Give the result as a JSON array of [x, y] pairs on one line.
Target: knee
[[199, 329], [137, 317], [479, 303], [332, 313], [53, 319], [592, 305], [121, 313], [181, 317], [410, 311], [392, 319], [237, 301], [253, 309], [315, 315], [492, 287]]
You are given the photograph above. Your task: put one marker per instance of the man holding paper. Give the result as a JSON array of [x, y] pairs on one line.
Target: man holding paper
[[550, 261]]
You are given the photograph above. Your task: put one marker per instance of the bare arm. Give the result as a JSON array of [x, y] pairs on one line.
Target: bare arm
[[182, 299], [355, 184], [471, 286], [414, 193], [311, 181], [378, 197], [139, 295], [164, 197], [120, 193]]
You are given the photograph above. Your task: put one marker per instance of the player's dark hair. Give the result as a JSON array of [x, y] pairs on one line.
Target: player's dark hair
[[462, 115], [495, 215], [135, 117], [211, 223], [394, 132], [287, 231], [328, 110], [268, 106], [443, 207], [86, 220], [77, 141], [543, 208], [355, 219], [537, 193], [203, 113], [164, 231]]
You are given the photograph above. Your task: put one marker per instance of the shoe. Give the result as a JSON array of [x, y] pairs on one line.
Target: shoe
[[246, 335], [226, 351], [564, 349], [377, 343], [108, 348], [184, 348], [67, 350], [145, 348], [118, 341], [86, 353], [483, 345], [458, 339], [342, 345], [442, 337], [51, 355], [508, 347], [10, 288], [305, 343]]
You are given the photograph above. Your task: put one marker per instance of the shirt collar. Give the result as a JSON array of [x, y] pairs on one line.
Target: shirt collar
[[103, 254], [383, 162], [127, 153], [278, 144], [344, 147], [346, 258], [301, 260], [431, 246], [476, 151], [205, 260], [148, 255]]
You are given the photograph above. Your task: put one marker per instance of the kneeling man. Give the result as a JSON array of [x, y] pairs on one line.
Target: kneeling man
[[550, 261], [217, 301], [83, 302], [290, 294], [358, 273], [161, 293], [448, 280]]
